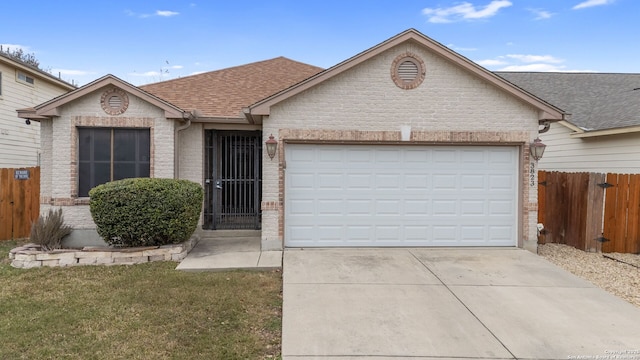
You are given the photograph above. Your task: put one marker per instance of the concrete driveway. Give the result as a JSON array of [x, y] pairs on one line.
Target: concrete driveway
[[447, 304]]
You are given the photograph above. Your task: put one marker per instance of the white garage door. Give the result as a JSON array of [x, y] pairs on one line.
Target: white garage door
[[386, 195]]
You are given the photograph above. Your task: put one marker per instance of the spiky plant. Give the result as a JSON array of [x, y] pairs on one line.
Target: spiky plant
[[49, 230]]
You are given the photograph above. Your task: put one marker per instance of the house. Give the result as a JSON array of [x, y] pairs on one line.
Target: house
[[405, 144], [601, 132], [21, 86]]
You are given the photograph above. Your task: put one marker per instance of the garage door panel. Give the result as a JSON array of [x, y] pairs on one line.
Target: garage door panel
[[500, 207], [500, 234], [501, 182], [387, 182], [417, 207], [351, 195], [301, 181], [358, 181], [502, 156], [472, 182], [301, 207], [445, 207]]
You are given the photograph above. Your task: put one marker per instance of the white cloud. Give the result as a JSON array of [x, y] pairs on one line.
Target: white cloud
[[197, 72], [163, 13], [590, 3], [534, 67], [458, 48], [464, 11], [148, 73], [535, 58], [166, 13], [176, 67], [540, 14], [532, 63], [71, 72], [491, 62]]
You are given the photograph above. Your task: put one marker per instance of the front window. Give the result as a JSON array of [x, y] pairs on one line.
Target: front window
[[107, 154]]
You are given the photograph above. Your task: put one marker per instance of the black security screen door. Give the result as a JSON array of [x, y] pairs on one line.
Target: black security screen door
[[233, 184]]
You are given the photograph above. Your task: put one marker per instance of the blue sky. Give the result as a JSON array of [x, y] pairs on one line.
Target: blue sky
[[147, 41]]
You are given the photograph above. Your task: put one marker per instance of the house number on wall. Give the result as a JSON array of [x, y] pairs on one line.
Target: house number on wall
[[532, 174]]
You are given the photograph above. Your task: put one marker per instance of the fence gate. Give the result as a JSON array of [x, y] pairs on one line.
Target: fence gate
[[570, 207], [622, 214], [19, 201], [233, 185]]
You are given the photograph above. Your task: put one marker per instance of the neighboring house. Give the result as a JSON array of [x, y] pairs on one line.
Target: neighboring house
[[602, 130], [23, 86], [405, 144]]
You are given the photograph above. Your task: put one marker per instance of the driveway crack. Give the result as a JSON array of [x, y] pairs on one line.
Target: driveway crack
[[462, 303]]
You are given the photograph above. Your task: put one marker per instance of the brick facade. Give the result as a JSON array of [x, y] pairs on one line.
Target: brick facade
[[59, 181], [363, 105]]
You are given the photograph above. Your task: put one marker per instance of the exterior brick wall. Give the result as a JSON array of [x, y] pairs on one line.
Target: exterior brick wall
[[191, 156], [46, 143], [191, 143], [60, 144], [363, 105]]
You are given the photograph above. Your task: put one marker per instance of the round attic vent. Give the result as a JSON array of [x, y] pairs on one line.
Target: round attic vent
[[114, 101], [408, 71]]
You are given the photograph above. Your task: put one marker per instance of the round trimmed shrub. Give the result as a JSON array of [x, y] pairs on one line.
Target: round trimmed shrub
[[146, 211]]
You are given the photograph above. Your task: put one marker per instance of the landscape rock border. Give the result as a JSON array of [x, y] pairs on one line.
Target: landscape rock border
[[32, 256], [616, 273]]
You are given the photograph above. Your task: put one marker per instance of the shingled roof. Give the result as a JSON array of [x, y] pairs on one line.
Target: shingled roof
[[224, 93], [596, 101]]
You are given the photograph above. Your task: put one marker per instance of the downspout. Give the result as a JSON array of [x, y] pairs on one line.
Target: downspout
[[176, 148]]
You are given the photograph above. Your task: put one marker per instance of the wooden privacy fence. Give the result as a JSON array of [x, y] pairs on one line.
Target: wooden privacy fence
[[19, 201], [590, 211]]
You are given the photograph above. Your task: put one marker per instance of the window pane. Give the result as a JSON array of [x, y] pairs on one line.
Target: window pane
[[124, 170], [84, 144], [144, 145], [101, 173], [124, 145], [92, 175], [143, 170], [84, 179], [101, 144]]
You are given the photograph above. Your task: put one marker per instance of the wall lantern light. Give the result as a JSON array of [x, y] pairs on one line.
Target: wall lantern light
[[272, 146], [537, 149]]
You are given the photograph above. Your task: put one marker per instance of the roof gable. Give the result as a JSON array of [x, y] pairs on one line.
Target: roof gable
[[224, 93], [50, 108], [548, 111]]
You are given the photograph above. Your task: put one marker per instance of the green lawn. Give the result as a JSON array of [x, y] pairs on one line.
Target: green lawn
[[147, 311]]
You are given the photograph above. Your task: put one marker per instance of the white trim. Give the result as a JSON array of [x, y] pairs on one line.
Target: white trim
[[595, 133]]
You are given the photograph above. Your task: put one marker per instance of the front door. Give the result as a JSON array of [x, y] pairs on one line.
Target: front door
[[233, 184]]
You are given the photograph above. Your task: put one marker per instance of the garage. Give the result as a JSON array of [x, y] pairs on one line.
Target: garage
[[392, 195]]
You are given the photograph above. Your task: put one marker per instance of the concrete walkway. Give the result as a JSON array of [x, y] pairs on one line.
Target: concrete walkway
[[229, 250], [447, 304]]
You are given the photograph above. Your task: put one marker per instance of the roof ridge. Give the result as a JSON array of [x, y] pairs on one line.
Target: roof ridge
[[230, 68], [564, 72]]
